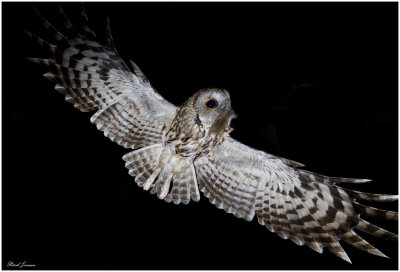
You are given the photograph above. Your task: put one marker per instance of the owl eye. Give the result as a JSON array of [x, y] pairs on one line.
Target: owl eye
[[211, 103]]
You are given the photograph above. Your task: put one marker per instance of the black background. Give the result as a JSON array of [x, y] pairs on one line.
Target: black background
[[313, 82]]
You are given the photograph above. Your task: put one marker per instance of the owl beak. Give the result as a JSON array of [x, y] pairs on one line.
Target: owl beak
[[227, 115], [230, 113], [233, 114]]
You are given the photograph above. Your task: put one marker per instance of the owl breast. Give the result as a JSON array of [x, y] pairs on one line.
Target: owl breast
[[187, 135]]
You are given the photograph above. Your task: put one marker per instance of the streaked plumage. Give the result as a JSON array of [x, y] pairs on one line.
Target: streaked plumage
[[180, 151]]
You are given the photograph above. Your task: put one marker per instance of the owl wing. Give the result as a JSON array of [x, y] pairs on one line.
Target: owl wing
[[92, 77], [305, 207]]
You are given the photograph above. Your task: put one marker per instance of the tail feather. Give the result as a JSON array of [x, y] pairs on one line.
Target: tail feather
[[144, 164], [183, 188]]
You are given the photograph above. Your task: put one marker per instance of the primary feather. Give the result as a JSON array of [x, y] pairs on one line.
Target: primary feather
[[94, 77]]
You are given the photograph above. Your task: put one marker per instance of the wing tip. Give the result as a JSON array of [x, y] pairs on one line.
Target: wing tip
[[377, 252], [348, 180], [376, 231], [371, 196], [344, 257]]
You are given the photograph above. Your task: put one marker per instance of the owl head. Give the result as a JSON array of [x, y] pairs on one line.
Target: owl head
[[213, 106]]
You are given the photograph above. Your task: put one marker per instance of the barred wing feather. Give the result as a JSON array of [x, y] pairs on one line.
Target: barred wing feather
[[296, 204], [94, 77]]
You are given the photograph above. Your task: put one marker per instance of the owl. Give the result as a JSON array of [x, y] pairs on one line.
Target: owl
[[179, 152]]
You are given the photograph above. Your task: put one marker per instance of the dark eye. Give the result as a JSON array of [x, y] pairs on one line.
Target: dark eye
[[211, 103]]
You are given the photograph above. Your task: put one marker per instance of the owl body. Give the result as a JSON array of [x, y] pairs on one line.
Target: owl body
[[188, 138], [178, 152]]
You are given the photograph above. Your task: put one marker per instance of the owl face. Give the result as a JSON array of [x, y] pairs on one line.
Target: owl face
[[212, 105]]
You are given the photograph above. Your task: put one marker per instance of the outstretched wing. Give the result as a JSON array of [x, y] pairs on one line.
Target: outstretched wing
[[296, 204], [92, 76]]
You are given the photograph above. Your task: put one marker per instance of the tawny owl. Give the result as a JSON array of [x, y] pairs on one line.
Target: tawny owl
[[178, 152]]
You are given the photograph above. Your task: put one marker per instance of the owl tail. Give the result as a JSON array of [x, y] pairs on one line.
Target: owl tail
[[152, 170]]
